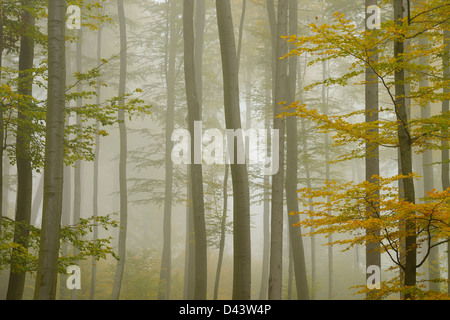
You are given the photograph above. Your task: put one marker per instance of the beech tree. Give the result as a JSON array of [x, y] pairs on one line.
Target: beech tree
[[54, 154], [239, 174]]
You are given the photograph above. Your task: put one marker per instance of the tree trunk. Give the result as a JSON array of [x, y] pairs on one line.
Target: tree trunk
[[96, 170], [123, 156], [276, 245], [405, 149], [266, 209], [295, 233], [239, 175], [194, 114], [372, 159], [46, 276], [222, 232], [428, 178], [165, 272], [2, 135], [445, 172], [77, 170], [23, 157]]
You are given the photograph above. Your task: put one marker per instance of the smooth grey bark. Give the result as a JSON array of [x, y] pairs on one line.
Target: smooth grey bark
[[266, 205], [1, 120], [239, 174], [78, 164], [445, 170], [189, 260], [96, 170], [122, 157], [428, 179], [276, 241], [194, 114], [166, 261], [46, 276], [405, 151], [189, 271], [23, 157], [372, 157], [222, 231], [295, 233], [225, 182]]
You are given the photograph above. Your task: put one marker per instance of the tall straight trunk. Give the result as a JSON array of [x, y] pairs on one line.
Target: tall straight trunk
[[266, 210], [445, 172], [47, 270], [166, 261], [96, 171], [123, 156], [295, 233], [372, 158], [239, 174], [199, 30], [189, 260], [78, 163], [189, 271], [222, 231], [23, 158], [194, 114], [1, 119], [405, 150], [428, 179], [276, 243]]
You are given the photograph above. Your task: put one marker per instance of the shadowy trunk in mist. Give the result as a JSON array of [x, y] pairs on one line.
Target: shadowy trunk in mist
[[276, 245], [222, 232], [405, 151], [46, 276], [372, 158], [445, 171], [428, 179], [23, 157], [1, 119], [166, 261], [239, 174], [266, 203], [194, 114], [96, 169], [295, 235], [123, 156], [77, 170], [189, 271]]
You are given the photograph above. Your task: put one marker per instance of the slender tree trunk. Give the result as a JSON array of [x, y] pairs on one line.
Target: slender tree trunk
[[276, 246], [77, 170], [23, 157], [166, 261], [222, 232], [295, 232], [445, 172], [194, 114], [2, 134], [189, 261], [123, 156], [96, 171], [405, 143], [372, 159], [266, 210], [239, 175], [46, 276], [428, 179]]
